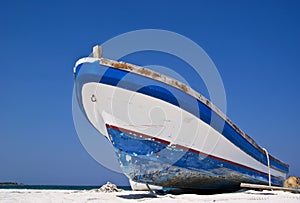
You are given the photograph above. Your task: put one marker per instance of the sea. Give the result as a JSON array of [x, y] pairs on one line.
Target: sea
[[57, 187]]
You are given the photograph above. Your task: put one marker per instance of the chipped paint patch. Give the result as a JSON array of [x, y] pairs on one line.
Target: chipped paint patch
[[166, 165], [128, 158]]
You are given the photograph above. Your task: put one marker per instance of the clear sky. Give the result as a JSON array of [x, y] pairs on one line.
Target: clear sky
[[254, 44]]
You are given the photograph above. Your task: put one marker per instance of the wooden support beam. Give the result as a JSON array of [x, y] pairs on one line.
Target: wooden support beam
[[266, 187]]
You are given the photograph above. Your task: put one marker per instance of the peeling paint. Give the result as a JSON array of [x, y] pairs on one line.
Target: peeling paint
[[169, 166]]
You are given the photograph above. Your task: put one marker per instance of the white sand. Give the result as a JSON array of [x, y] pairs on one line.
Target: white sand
[[23, 195]]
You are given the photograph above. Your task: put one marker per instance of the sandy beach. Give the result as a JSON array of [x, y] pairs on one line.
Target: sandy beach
[[23, 195]]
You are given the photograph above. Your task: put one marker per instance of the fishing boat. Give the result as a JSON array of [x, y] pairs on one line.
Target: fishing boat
[[167, 134]]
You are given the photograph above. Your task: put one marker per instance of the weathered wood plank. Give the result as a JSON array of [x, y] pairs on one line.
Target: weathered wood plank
[[266, 187]]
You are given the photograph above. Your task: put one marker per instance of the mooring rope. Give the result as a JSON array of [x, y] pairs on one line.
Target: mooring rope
[[267, 154]]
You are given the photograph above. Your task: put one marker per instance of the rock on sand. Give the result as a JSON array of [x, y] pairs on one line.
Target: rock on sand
[[292, 182]]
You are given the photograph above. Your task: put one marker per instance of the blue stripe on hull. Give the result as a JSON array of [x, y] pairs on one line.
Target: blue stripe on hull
[[93, 72], [150, 161]]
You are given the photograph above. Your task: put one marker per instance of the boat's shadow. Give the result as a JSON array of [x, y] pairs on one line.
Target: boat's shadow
[[137, 196]]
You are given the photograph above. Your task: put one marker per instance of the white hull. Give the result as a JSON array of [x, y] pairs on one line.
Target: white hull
[[150, 116]]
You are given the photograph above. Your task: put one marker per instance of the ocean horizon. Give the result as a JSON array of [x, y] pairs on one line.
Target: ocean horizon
[[58, 187]]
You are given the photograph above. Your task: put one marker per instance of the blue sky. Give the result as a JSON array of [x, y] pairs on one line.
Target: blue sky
[[254, 44]]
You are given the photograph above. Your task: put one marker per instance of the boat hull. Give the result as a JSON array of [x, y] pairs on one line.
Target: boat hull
[[163, 137]]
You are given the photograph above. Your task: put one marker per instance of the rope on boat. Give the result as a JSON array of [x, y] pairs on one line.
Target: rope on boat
[[269, 169], [150, 190]]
